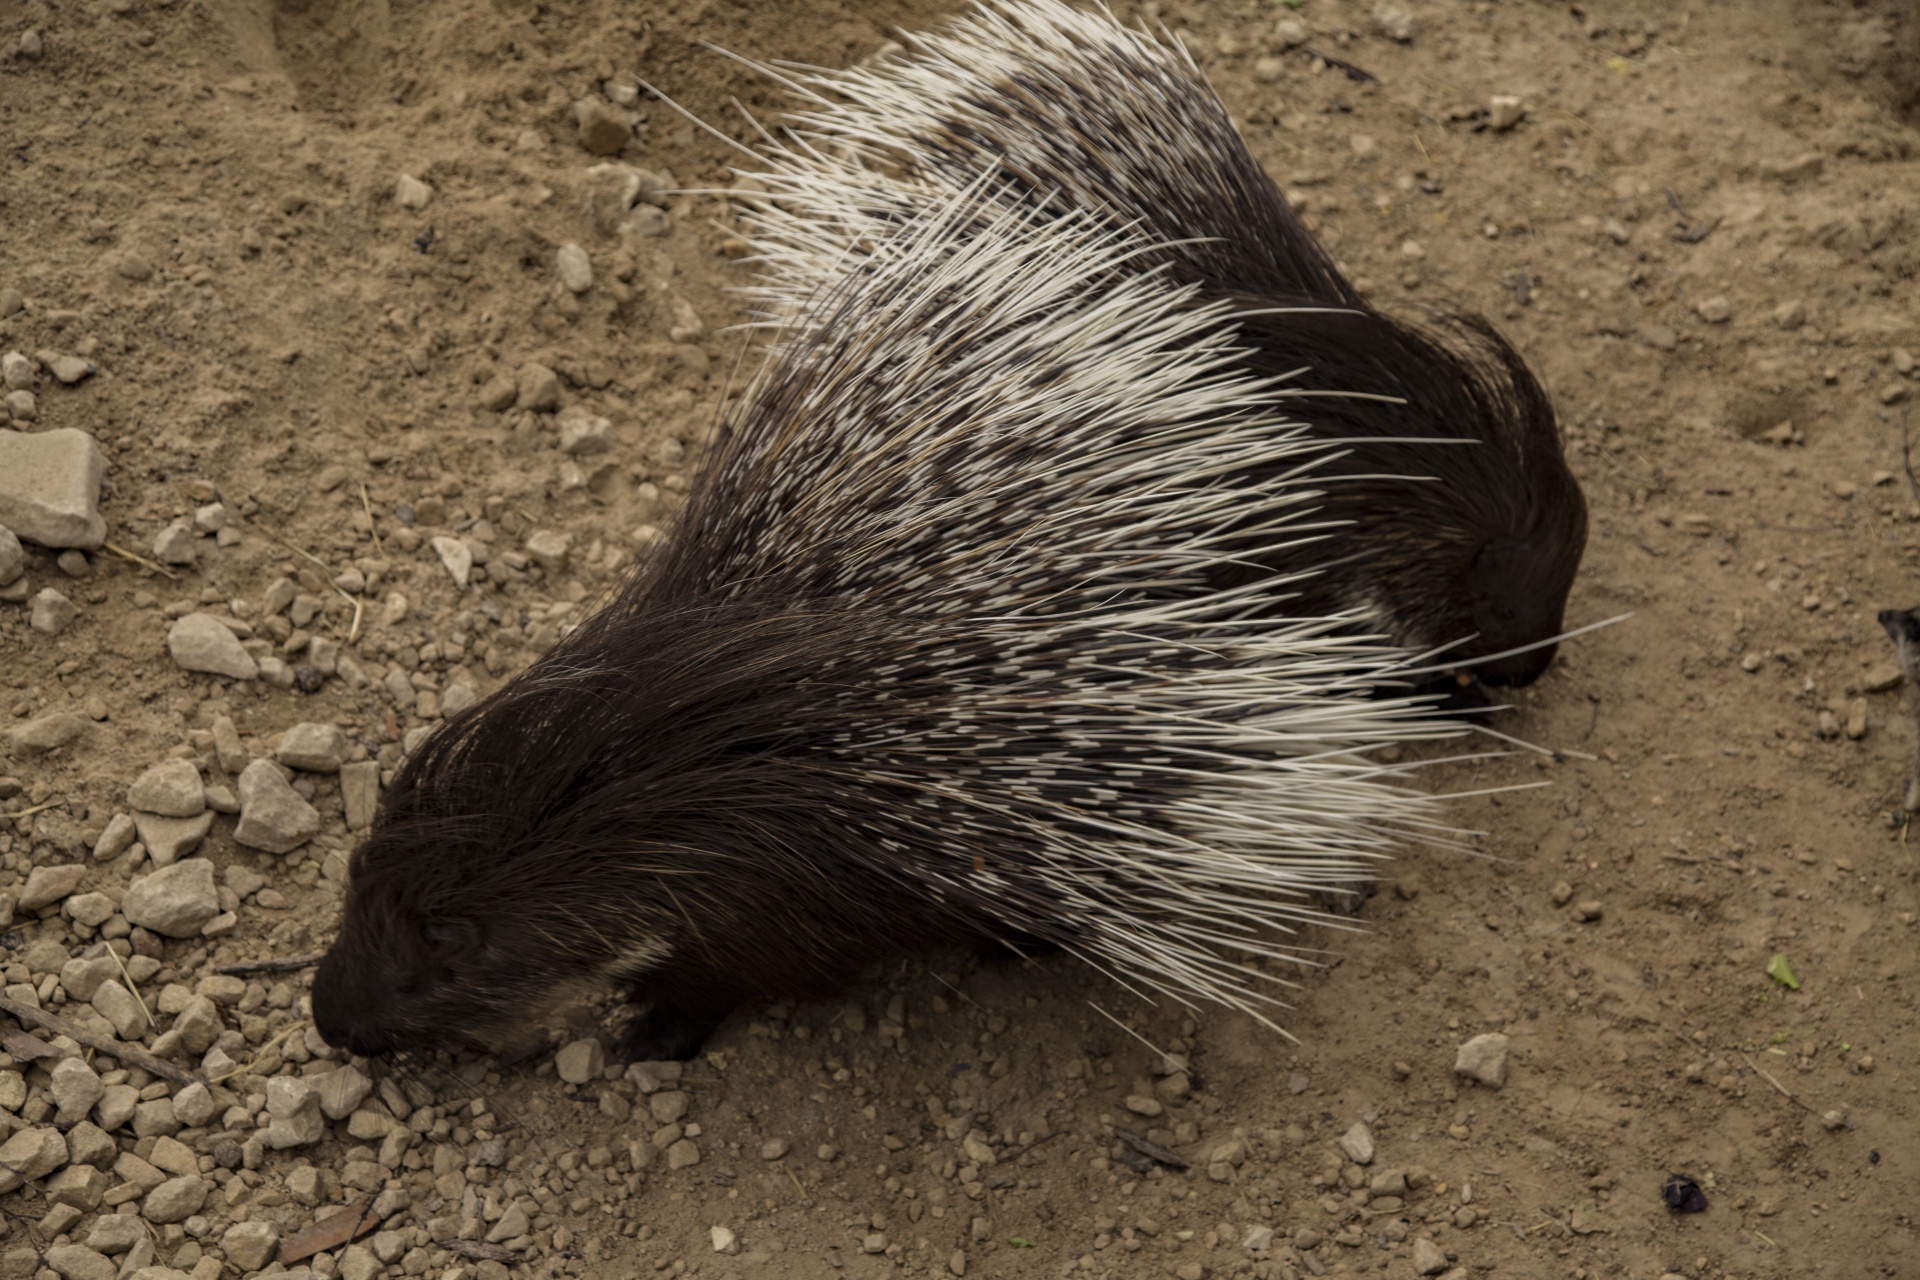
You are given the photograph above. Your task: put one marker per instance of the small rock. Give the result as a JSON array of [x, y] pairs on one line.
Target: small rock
[[176, 1199], [50, 487], [176, 901], [77, 1262], [1484, 1058], [317, 748], [227, 747], [1562, 893], [512, 1224], [1395, 21], [1799, 169], [1589, 910], [68, 370], [75, 1087], [459, 696], [174, 544], [248, 1245], [360, 793], [13, 558], [119, 1006], [1715, 310], [683, 1154], [1504, 111], [1357, 1142], [411, 193], [457, 557], [116, 1233], [1790, 315], [603, 130], [581, 1061], [1259, 1239], [775, 1149], [29, 1155], [172, 789], [724, 1240], [576, 270], [1856, 727], [583, 434], [194, 1105], [273, 816], [170, 839], [539, 391], [668, 1106], [47, 885], [201, 642], [81, 977], [47, 733], [549, 549], [18, 371], [342, 1091], [211, 518], [498, 393], [294, 1108], [1429, 1259], [1144, 1104], [51, 612]]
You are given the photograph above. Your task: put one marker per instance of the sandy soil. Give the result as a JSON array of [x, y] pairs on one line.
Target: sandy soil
[[1703, 235]]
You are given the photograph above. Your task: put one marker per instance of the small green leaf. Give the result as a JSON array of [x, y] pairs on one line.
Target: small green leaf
[[1781, 972], [1020, 1242]]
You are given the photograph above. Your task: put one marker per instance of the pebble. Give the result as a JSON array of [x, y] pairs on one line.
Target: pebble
[[512, 1224], [46, 733], [1357, 1142], [30, 1154], [1395, 21], [317, 748], [77, 1262], [1856, 727], [668, 1106], [459, 696], [775, 1149], [81, 977], [211, 518], [539, 391], [47, 885], [74, 1087], [116, 839], [22, 406], [51, 612], [1790, 315], [457, 557], [13, 557], [498, 393], [342, 1091], [576, 270], [171, 788], [603, 130], [69, 370], [1715, 310], [1484, 1058], [11, 303], [248, 1245], [194, 1106], [1143, 1104], [273, 816], [360, 793], [583, 434], [1504, 111], [174, 544], [1588, 910], [1429, 1259], [580, 1061], [411, 193], [170, 839], [119, 1006], [50, 487], [227, 747], [683, 1154], [18, 371], [724, 1241], [1562, 893], [294, 1108], [1258, 1239], [549, 549], [176, 901], [116, 1233], [201, 642], [176, 1199]]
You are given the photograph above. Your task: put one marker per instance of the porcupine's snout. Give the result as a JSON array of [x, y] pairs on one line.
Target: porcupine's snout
[[1517, 594]]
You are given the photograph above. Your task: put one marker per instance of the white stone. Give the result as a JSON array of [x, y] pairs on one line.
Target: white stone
[[1504, 111], [576, 270], [456, 556], [176, 901], [273, 816], [50, 487], [172, 789], [201, 642], [549, 549], [1357, 1142]]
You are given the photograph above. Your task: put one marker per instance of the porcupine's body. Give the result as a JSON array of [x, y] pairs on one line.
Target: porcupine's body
[[927, 661], [1473, 544]]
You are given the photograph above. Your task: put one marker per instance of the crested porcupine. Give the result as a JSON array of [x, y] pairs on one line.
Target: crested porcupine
[[1473, 546], [927, 661]]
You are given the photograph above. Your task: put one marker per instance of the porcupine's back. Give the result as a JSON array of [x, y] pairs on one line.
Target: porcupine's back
[[928, 656], [1075, 112]]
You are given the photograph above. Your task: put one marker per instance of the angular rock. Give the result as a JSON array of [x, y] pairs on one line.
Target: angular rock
[[170, 839], [360, 792], [174, 1200], [549, 549], [273, 817], [80, 978], [90, 909], [172, 789], [194, 1106], [47, 733], [176, 901], [77, 1262], [116, 1233], [1357, 1143], [80, 1185], [317, 748], [603, 130], [248, 1245], [116, 1107], [50, 487], [116, 839], [457, 557], [411, 193], [227, 747], [539, 390], [117, 1005], [47, 885], [174, 544], [201, 642], [75, 1087], [581, 1061], [29, 1155], [1484, 1058], [583, 434], [294, 1109], [51, 613], [13, 558], [342, 1091], [198, 1025]]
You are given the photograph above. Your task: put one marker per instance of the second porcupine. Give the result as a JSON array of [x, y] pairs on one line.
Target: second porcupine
[[927, 661], [1472, 545]]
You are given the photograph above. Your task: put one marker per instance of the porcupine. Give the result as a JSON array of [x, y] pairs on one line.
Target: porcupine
[[925, 662], [1473, 545]]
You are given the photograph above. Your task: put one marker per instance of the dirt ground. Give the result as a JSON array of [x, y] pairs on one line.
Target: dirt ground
[[1703, 231]]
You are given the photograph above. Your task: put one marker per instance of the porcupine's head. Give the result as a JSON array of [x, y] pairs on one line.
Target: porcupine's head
[[1460, 523], [586, 824]]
